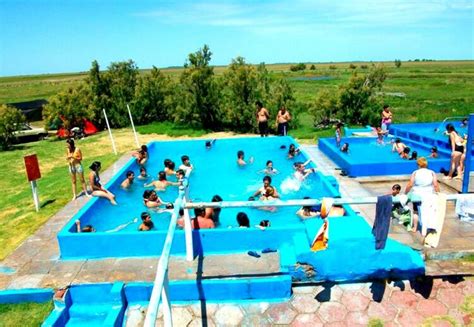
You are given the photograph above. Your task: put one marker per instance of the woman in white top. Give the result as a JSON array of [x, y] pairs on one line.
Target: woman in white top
[[422, 181]]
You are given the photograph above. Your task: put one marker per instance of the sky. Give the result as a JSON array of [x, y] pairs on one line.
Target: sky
[[60, 36]]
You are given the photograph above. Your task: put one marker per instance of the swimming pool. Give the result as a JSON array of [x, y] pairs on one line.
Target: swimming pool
[[216, 172], [368, 158], [428, 133]]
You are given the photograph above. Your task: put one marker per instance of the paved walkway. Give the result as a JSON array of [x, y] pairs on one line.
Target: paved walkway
[[433, 302]]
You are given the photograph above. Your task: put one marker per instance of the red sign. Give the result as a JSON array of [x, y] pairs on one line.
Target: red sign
[[32, 167]]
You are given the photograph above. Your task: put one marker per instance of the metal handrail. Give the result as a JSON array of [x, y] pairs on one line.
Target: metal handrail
[[446, 119], [160, 285]]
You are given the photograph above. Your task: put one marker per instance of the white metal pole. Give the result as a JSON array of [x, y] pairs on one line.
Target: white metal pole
[[133, 127], [188, 233], [110, 132], [34, 189], [166, 304]]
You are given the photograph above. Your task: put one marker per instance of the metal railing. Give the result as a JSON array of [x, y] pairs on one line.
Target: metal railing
[[160, 286], [437, 129]]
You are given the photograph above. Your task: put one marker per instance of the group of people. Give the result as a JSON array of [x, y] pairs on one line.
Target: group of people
[[263, 116]]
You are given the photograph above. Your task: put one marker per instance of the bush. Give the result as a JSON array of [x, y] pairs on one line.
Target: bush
[[10, 120], [364, 66], [332, 67], [352, 66], [298, 67], [313, 67], [398, 63]]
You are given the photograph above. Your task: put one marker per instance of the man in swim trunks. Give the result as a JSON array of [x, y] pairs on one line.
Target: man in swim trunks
[[262, 119], [267, 182], [283, 117]]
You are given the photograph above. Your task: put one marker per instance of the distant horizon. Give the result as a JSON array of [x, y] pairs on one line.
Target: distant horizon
[[253, 64], [50, 36]]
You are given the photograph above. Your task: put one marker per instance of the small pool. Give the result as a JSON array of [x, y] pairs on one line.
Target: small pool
[[368, 158]]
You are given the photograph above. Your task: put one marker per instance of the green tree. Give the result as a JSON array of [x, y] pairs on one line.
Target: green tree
[[154, 98], [120, 81], [313, 67], [10, 120], [238, 95], [99, 92], [357, 102], [71, 106], [398, 63], [198, 92]]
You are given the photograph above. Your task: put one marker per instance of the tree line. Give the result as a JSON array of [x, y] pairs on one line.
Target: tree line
[[200, 98]]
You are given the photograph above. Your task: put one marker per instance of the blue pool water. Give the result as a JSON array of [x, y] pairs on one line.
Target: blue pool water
[[368, 158], [216, 172]]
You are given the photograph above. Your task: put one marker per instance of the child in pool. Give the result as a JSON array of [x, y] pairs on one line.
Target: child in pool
[[345, 148], [434, 152]]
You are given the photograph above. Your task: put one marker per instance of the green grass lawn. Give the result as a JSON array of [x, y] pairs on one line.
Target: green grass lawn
[[24, 314]]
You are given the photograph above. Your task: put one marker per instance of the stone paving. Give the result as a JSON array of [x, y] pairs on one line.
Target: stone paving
[[432, 302]]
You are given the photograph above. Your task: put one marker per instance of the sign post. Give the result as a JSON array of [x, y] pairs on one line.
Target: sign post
[[33, 173]]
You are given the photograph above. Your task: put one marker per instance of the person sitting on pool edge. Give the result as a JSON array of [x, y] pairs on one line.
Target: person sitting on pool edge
[[267, 181], [146, 224], [241, 158], [96, 186], [199, 221], [129, 177], [186, 164], [162, 183]]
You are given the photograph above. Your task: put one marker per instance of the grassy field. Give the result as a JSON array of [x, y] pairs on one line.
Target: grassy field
[[24, 314], [434, 90]]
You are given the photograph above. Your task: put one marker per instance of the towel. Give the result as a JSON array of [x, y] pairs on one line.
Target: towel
[[381, 226], [435, 223], [321, 239], [465, 207]]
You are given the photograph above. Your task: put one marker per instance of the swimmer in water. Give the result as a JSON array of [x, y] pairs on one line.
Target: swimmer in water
[[306, 212], [127, 183], [241, 158], [434, 152], [398, 146], [162, 183], [267, 182], [405, 153], [169, 167], [143, 174], [293, 151], [345, 148], [269, 170], [302, 172]]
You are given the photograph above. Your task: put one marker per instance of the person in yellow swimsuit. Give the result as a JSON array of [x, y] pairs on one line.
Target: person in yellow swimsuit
[[74, 159]]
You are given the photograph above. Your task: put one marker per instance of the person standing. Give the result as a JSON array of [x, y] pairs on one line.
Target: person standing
[[74, 158], [283, 117], [262, 119], [386, 117]]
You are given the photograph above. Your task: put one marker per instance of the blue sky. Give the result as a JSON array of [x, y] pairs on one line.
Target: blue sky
[[65, 36]]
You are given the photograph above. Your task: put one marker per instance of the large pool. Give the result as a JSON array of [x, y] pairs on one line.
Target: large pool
[[216, 172]]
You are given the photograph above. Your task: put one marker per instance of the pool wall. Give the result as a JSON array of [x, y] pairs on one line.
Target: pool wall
[[26, 295], [357, 169], [213, 241]]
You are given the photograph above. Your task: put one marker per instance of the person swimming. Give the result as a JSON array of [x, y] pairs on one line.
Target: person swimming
[[269, 170], [147, 224], [169, 167], [243, 220], [129, 177], [307, 211], [186, 164], [209, 144], [302, 172], [151, 199], [241, 159], [143, 174], [293, 151], [398, 146], [414, 156], [267, 182], [405, 153], [162, 183], [434, 152], [345, 148]]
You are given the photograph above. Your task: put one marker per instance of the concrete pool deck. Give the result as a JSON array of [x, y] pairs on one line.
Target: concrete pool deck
[[35, 263]]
